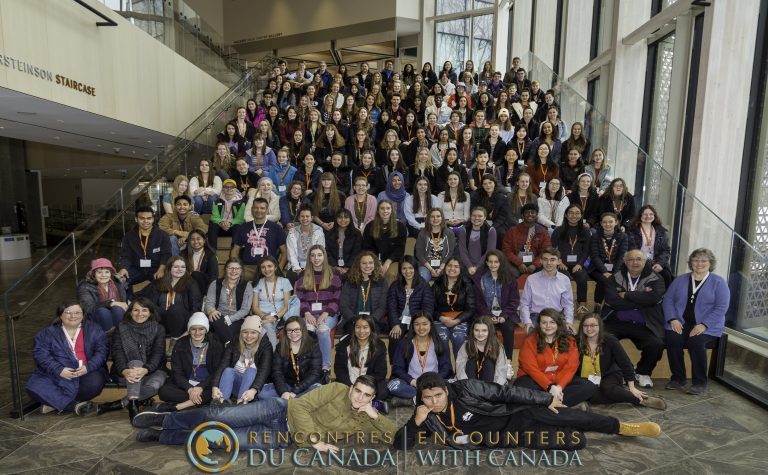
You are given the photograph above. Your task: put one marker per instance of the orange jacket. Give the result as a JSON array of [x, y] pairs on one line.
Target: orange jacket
[[534, 364]]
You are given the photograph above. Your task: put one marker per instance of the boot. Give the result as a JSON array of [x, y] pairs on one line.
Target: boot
[[109, 407], [654, 402], [642, 429], [133, 409]]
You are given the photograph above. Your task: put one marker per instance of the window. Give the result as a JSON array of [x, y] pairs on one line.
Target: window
[[602, 27], [467, 37]]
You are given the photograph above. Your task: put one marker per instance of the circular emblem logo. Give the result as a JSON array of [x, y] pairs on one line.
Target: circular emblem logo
[[212, 447]]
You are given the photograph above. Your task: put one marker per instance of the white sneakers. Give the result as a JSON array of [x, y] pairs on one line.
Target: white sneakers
[[644, 381]]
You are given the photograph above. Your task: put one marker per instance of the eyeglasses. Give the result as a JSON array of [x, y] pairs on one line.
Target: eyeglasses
[[293, 330]]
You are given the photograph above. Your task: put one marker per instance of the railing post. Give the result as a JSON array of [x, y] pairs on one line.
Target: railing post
[[13, 364], [122, 209], [74, 256]]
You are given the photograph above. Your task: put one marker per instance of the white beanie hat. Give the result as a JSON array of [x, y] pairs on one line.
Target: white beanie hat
[[200, 320], [252, 322]]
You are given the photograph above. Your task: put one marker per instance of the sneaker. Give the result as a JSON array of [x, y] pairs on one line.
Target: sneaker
[[644, 381], [83, 408], [697, 389], [673, 385], [46, 409], [148, 435], [510, 371], [643, 429], [654, 403], [326, 379], [582, 406], [147, 419]]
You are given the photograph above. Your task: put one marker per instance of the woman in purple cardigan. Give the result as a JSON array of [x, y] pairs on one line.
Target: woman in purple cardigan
[[694, 311], [319, 289], [497, 297]]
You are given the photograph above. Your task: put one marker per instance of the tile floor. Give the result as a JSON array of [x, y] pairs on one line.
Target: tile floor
[[716, 433]]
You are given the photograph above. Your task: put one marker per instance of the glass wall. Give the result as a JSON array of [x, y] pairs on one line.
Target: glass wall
[[602, 27]]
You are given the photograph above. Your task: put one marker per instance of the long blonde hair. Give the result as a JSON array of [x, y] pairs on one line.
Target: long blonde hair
[[253, 347], [377, 225], [308, 280], [176, 182]]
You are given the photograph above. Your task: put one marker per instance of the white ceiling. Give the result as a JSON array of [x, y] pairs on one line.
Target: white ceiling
[[34, 119]]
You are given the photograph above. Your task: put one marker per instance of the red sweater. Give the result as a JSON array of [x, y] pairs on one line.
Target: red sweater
[[516, 238], [534, 364]]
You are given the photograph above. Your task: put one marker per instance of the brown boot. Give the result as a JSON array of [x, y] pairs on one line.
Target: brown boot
[[654, 403], [642, 429]]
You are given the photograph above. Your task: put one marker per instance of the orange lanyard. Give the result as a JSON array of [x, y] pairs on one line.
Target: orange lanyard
[[199, 262], [544, 171], [618, 209], [244, 183], [436, 240], [608, 252], [285, 173], [480, 174], [648, 238], [454, 201], [307, 177], [583, 202], [230, 296], [274, 290], [522, 203], [480, 364], [317, 291], [295, 365], [144, 243], [573, 243], [448, 296], [453, 422], [366, 291], [199, 362], [423, 361], [555, 352], [593, 358], [520, 149], [362, 207], [169, 298]]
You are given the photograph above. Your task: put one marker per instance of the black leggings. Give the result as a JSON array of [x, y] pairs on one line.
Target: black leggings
[[612, 390], [578, 390], [508, 333], [169, 392], [563, 430]]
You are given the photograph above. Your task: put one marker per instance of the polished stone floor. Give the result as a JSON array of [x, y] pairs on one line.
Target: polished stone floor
[[716, 433]]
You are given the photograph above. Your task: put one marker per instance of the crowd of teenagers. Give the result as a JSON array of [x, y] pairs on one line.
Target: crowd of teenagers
[[320, 183]]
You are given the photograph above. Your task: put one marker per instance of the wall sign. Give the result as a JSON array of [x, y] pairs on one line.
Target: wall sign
[[46, 75]]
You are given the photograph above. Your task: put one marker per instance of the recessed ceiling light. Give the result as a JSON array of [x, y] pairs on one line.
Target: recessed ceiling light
[[59, 120], [149, 141], [98, 145]]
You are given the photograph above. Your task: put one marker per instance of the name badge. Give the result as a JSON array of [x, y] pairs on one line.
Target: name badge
[[571, 258], [496, 313], [317, 307], [609, 267], [259, 251], [552, 369], [593, 378], [435, 263], [145, 263], [193, 382], [520, 163], [519, 220], [527, 257], [155, 250], [367, 314], [340, 262], [405, 320], [542, 184], [281, 188]]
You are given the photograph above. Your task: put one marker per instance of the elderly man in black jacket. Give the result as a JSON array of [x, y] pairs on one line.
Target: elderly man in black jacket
[[472, 412], [633, 310]]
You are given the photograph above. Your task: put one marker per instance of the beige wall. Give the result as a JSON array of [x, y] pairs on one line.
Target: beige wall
[[255, 20], [211, 11], [136, 78]]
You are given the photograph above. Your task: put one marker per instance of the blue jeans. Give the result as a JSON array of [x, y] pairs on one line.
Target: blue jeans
[[457, 335], [204, 206], [231, 379], [108, 317], [175, 247], [256, 416], [268, 391], [401, 388], [425, 273], [324, 340]]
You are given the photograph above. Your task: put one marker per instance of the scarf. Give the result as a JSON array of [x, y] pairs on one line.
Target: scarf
[[137, 338], [397, 196], [227, 214], [110, 294]]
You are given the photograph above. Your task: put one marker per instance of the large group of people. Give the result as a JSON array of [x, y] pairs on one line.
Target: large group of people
[[320, 183]]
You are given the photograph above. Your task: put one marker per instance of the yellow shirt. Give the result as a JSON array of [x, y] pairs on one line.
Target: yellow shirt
[[589, 366]]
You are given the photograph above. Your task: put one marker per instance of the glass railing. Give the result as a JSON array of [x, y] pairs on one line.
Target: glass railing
[[179, 27], [30, 303], [692, 224]]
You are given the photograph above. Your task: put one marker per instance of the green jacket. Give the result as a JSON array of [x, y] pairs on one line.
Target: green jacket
[[238, 211], [328, 409]]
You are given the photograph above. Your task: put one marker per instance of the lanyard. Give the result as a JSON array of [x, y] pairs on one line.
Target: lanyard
[[366, 291], [480, 174], [258, 233], [72, 341], [593, 358], [453, 422], [285, 173], [361, 207], [608, 252], [317, 291], [573, 243], [648, 237], [454, 201], [436, 243], [632, 285], [295, 365], [230, 295], [307, 177], [522, 203], [274, 290], [143, 243], [480, 364], [555, 352], [199, 361], [448, 296], [584, 202], [244, 183], [423, 361], [619, 208], [696, 288], [544, 170]]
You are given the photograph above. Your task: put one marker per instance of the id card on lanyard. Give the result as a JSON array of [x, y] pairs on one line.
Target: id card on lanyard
[[73, 343]]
